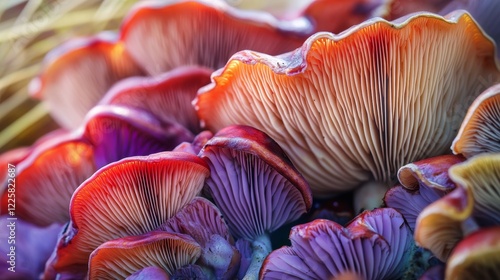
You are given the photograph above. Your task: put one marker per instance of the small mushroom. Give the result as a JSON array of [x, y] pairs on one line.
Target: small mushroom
[[202, 220], [155, 33], [480, 130], [47, 177], [120, 258], [476, 257], [130, 197], [255, 186], [422, 183], [375, 245], [167, 96], [78, 73], [351, 109], [441, 224], [116, 132]]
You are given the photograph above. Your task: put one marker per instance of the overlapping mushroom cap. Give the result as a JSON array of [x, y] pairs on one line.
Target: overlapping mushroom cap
[[48, 176], [167, 96], [375, 245], [216, 31], [129, 197], [473, 204], [354, 107], [476, 257], [480, 130], [422, 183], [253, 182], [78, 73], [120, 258]]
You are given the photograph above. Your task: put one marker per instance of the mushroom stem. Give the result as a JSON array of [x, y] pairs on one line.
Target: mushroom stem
[[369, 196], [261, 247]]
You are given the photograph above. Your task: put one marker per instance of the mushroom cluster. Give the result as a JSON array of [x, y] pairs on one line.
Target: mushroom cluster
[[212, 140]]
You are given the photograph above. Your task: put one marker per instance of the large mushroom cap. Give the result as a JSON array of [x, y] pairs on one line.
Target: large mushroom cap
[[78, 73], [120, 258], [252, 181], [354, 107], [168, 96], [480, 130], [376, 245], [155, 33], [129, 197]]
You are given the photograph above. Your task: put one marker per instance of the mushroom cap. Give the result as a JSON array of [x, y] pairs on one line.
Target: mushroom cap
[[117, 132], [355, 107], [199, 219], [439, 226], [253, 182], [480, 175], [130, 197], [422, 182], [375, 245], [480, 130], [78, 73], [120, 258], [167, 96], [46, 179], [476, 257], [216, 31]]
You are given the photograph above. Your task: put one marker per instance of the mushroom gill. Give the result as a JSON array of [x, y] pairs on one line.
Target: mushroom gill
[[353, 108]]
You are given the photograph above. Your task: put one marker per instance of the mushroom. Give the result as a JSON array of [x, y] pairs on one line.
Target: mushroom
[[255, 186], [473, 204], [167, 96], [214, 32], [202, 220], [130, 197], [116, 132], [48, 176], [476, 257], [350, 109], [120, 258], [422, 183], [76, 75], [480, 130], [375, 245]]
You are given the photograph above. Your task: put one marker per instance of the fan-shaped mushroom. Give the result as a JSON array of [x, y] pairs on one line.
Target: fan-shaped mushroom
[[129, 197], [255, 186], [216, 31], [353, 108], [375, 245]]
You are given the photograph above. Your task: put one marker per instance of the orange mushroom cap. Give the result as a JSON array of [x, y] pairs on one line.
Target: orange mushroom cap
[[129, 197], [155, 33], [120, 258], [354, 107]]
